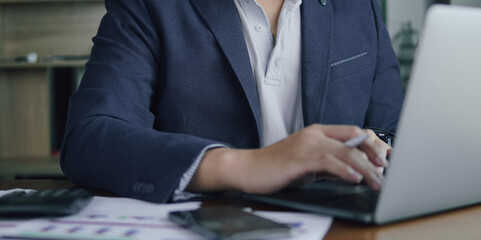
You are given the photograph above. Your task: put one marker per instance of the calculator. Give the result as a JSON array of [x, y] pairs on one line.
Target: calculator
[[44, 203]]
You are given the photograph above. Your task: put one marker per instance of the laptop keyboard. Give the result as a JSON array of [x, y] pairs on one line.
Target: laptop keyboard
[[356, 199], [359, 202]]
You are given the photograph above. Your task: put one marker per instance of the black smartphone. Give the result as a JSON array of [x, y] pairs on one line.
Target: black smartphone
[[230, 223]]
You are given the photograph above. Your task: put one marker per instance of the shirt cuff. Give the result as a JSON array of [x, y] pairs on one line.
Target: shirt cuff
[[180, 194]]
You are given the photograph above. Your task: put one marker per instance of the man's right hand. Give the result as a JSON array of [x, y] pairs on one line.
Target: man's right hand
[[294, 160]]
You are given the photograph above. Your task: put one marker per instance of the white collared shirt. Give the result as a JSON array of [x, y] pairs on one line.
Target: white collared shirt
[[276, 66]]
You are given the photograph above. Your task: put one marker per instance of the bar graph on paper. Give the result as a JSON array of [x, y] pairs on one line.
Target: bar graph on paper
[[129, 219], [103, 227], [111, 227]]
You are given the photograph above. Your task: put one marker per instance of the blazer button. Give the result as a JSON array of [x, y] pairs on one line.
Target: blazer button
[[145, 188], [323, 2], [149, 188], [137, 187]]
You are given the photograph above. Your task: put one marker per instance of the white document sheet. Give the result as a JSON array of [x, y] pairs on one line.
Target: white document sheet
[[129, 219]]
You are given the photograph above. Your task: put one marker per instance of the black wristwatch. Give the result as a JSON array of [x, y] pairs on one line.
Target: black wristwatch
[[386, 136]]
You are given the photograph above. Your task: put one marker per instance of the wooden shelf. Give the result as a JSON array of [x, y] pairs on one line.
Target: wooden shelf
[[52, 64], [34, 96], [30, 166]]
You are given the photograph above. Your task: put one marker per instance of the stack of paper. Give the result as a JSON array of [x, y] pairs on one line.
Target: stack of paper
[[129, 219]]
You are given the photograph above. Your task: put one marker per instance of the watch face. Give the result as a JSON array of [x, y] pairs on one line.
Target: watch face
[[385, 136]]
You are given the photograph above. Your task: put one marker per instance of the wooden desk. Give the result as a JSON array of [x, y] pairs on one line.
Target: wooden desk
[[460, 224]]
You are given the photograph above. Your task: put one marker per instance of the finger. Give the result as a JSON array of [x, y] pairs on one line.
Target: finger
[[356, 160], [375, 149], [339, 132], [333, 166], [338, 168], [386, 150], [359, 161], [388, 155]]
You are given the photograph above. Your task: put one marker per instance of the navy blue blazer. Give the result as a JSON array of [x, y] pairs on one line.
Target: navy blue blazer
[[166, 78]]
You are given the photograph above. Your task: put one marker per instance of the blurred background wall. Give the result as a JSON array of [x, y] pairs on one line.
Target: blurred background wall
[[404, 19]]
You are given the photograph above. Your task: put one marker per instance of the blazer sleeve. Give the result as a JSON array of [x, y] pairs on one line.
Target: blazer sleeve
[[110, 142], [387, 94]]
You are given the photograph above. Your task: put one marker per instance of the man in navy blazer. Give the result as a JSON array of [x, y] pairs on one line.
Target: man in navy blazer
[[167, 78]]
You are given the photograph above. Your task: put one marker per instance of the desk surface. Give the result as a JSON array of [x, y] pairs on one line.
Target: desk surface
[[460, 224]]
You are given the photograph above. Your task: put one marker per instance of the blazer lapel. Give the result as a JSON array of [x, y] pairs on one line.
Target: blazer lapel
[[221, 17], [316, 46]]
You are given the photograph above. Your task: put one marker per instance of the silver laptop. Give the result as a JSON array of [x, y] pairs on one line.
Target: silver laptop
[[436, 162]]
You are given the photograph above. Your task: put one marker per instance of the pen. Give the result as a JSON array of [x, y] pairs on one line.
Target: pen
[[357, 140]]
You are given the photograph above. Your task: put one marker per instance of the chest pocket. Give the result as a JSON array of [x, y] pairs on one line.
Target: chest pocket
[[350, 65]]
